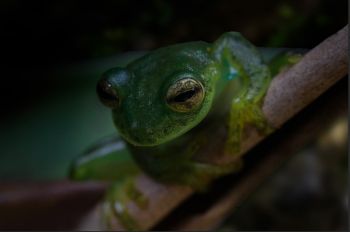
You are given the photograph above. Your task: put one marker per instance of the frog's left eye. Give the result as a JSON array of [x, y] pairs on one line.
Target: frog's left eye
[[107, 94], [185, 95]]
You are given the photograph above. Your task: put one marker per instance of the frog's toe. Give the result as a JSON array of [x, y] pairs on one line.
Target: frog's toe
[[233, 144], [115, 213], [257, 119], [115, 206]]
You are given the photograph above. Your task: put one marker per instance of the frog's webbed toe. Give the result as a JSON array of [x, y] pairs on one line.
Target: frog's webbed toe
[[258, 120], [115, 205], [244, 113]]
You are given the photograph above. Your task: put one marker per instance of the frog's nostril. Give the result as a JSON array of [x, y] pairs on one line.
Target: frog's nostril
[[107, 94]]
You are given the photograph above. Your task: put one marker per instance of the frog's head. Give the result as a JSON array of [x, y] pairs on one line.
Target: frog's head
[[162, 95]]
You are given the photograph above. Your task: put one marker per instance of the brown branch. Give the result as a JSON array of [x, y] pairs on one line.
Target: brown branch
[[288, 93], [46, 205]]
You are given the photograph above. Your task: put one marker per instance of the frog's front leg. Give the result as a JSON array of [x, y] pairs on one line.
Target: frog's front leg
[[244, 113], [241, 59], [175, 162], [203, 174], [110, 160]]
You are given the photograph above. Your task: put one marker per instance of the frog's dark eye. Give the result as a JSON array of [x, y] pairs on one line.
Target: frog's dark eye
[[107, 94], [185, 95]]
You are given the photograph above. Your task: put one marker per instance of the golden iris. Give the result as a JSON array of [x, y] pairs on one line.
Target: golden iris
[[185, 95]]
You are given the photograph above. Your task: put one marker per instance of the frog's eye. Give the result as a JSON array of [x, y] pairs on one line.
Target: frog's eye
[[107, 94], [185, 95]]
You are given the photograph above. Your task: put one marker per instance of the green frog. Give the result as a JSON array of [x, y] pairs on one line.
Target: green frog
[[171, 106]]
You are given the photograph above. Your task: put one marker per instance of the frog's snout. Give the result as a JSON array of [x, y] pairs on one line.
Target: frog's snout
[[140, 137]]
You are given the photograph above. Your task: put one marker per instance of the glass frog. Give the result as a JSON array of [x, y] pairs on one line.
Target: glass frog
[[172, 105]]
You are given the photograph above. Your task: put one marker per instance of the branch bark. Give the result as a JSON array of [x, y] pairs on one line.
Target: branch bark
[[288, 93], [46, 205]]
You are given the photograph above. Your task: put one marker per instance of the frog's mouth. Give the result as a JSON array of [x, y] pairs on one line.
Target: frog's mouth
[[146, 137], [141, 139]]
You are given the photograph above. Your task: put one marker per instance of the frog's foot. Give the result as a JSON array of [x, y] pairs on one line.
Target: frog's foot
[[109, 159], [256, 118], [244, 113], [202, 174], [117, 198]]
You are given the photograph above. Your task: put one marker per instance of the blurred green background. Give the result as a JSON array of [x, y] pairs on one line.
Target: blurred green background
[[56, 50]]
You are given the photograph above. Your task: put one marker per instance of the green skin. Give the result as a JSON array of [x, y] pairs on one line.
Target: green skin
[[163, 141]]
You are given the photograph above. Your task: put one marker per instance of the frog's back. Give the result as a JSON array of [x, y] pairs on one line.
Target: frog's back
[[190, 55]]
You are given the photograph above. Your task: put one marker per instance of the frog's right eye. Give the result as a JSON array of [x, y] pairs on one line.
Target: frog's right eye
[[185, 95], [107, 94]]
